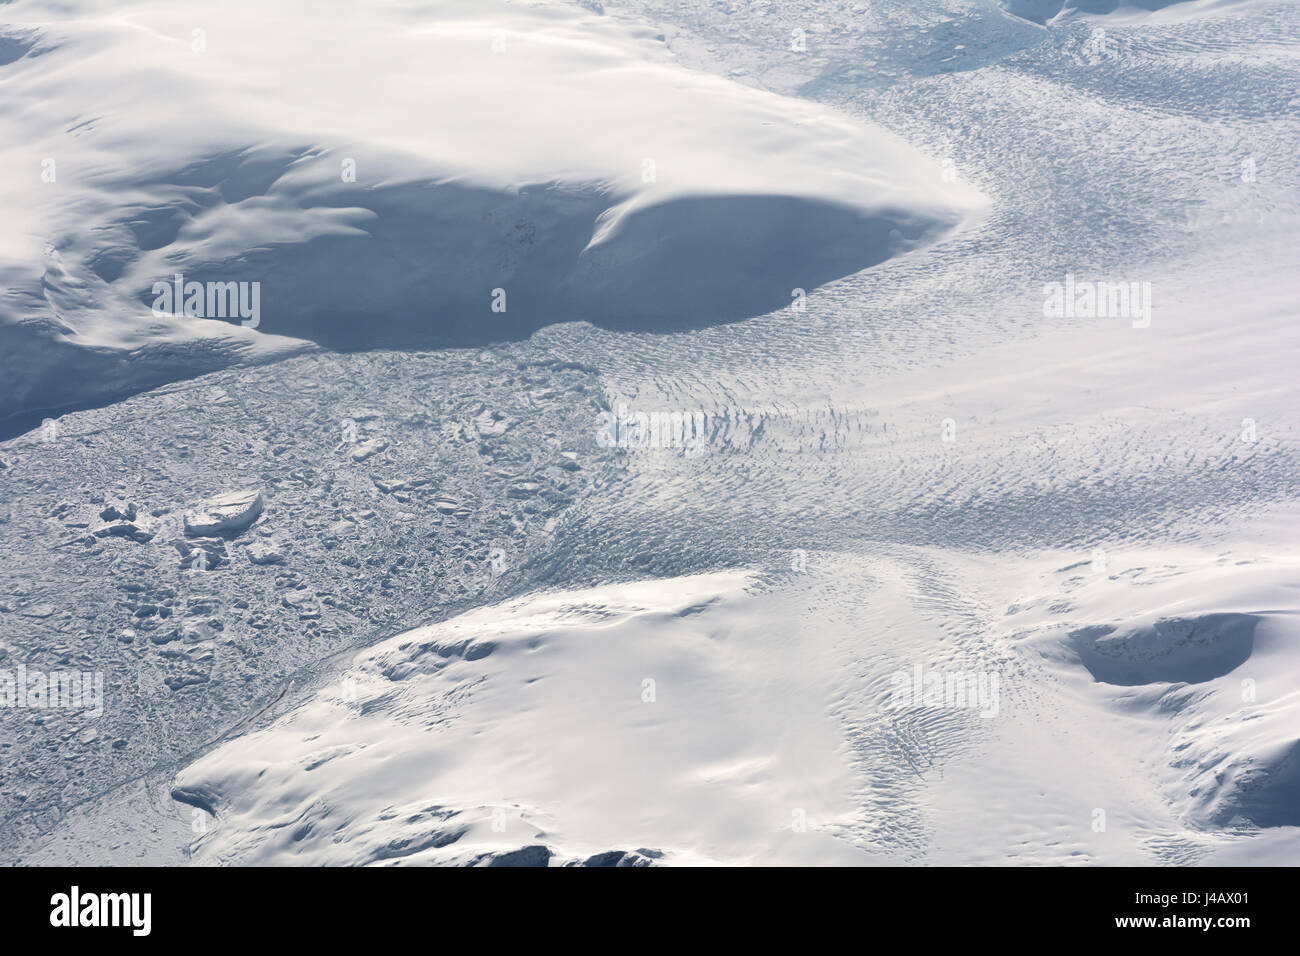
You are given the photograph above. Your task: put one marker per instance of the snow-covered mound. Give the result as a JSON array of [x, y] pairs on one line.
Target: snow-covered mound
[[1199, 647], [401, 175], [714, 718], [1041, 11], [650, 717]]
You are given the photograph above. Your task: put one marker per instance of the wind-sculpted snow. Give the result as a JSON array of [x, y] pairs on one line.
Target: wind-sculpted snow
[[478, 170], [1043, 10], [537, 724], [1206, 648], [661, 715]]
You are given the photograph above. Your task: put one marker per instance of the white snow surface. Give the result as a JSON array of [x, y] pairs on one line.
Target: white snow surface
[[541, 149], [537, 717], [770, 732], [1117, 10]]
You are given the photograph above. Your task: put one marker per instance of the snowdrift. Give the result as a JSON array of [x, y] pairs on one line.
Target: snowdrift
[[567, 727], [1201, 648], [1040, 11], [403, 176]]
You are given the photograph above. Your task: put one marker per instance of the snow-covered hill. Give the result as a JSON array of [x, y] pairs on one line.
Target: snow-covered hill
[[459, 172]]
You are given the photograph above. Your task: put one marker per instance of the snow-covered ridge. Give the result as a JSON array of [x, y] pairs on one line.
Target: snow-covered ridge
[[636, 717], [380, 172], [660, 720], [1199, 646], [1041, 11]]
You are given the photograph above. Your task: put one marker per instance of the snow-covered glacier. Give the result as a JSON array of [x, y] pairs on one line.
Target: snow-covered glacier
[[664, 433], [403, 163]]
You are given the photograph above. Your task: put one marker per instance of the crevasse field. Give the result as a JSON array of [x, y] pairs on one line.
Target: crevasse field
[[649, 432]]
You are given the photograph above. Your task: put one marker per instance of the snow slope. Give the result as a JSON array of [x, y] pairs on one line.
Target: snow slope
[[1043, 10], [1204, 646], [402, 162], [752, 718]]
